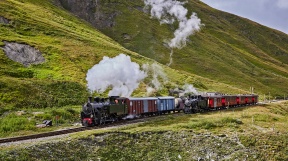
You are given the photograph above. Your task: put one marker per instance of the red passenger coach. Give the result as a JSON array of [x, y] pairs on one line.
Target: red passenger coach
[[254, 99], [238, 100], [242, 99], [247, 99], [215, 101], [138, 106], [231, 100]]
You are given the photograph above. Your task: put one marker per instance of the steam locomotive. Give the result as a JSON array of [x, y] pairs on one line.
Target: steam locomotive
[[102, 110]]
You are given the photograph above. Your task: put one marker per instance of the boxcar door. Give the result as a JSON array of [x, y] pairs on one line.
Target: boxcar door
[[162, 105], [145, 102]]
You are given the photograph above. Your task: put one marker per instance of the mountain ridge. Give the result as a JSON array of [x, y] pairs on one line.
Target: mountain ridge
[[260, 51], [72, 46]]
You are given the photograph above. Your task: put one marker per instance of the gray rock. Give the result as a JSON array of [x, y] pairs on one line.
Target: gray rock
[[90, 11], [238, 121], [222, 135], [4, 20], [23, 54], [126, 36]]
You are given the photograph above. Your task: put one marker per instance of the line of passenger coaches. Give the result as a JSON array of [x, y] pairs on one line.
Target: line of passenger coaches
[[152, 105]]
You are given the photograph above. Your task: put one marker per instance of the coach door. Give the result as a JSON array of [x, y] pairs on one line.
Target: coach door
[[238, 100], [210, 102], [223, 101], [145, 102], [215, 102]]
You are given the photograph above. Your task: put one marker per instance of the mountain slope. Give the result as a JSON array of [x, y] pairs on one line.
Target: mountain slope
[[70, 47], [227, 53], [228, 48]]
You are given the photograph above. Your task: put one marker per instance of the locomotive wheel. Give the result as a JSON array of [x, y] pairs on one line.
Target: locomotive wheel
[[85, 123], [187, 110]]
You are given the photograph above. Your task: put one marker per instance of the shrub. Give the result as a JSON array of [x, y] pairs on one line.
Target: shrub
[[228, 120], [14, 123], [201, 125]]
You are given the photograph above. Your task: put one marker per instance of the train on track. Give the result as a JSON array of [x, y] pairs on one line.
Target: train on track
[[99, 111]]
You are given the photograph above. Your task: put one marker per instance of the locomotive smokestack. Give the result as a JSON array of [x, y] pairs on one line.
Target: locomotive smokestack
[[97, 99], [90, 99]]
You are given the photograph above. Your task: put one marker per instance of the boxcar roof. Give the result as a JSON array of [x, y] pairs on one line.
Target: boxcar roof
[[166, 97], [142, 98]]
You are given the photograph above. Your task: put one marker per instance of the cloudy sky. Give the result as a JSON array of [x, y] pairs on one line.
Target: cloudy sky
[[271, 13]]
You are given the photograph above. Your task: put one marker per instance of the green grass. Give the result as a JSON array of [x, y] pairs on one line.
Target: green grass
[[15, 123], [228, 134], [229, 49], [72, 46], [227, 53]]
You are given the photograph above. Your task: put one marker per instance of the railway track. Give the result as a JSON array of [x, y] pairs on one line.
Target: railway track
[[41, 135], [73, 130]]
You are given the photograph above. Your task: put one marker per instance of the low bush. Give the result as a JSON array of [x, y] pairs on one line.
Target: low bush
[[11, 123], [14, 123], [204, 124]]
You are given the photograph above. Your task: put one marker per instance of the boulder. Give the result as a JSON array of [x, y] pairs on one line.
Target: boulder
[[23, 54], [4, 20]]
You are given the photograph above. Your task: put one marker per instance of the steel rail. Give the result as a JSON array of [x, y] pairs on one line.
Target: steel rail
[[118, 123]]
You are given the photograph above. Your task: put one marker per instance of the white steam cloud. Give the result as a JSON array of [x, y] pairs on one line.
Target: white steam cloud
[[119, 73], [188, 88], [157, 73], [167, 11]]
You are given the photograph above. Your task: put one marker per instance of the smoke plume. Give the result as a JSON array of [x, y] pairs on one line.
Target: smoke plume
[[188, 88], [119, 73], [157, 73], [169, 11]]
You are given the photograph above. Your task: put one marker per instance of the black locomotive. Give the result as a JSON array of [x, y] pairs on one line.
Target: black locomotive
[[103, 110]]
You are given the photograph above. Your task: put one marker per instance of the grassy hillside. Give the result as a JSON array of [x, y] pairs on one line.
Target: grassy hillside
[[70, 47], [229, 49], [255, 133]]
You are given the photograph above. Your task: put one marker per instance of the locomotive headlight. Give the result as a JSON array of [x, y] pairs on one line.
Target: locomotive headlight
[[91, 116]]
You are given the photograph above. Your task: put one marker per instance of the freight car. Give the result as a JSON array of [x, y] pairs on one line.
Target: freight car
[[102, 110]]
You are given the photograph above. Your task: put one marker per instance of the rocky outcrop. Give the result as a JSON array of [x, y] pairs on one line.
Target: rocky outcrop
[[4, 20], [90, 11], [23, 54]]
